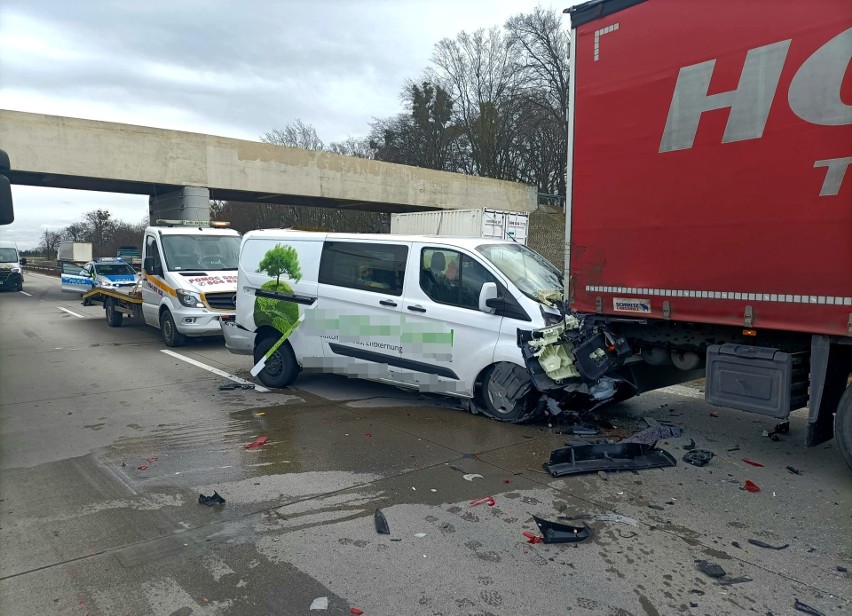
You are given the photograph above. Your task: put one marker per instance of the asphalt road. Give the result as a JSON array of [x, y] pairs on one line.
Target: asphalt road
[[106, 442]]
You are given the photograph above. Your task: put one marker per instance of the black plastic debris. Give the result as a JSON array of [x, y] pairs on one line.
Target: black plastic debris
[[698, 457], [211, 500], [763, 544], [382, 523], [691, 445], [553, 532], [247, 386], [228, 386], [657, 507], [711, 569], [584, 431], [736, 544], [807, 609], [726, 581], [842, 569], [734, 448], [651, 435], [794, 470], [606, 457]]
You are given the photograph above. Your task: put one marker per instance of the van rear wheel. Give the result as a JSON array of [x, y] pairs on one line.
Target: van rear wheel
[[281, 368], [506, 393]]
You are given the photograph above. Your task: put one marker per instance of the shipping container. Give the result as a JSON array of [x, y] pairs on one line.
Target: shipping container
[[483, 222]]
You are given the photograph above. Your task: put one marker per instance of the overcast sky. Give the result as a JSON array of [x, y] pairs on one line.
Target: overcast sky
[[236, 69]]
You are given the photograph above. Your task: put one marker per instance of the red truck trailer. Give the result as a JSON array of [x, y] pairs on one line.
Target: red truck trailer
[[709, 208]]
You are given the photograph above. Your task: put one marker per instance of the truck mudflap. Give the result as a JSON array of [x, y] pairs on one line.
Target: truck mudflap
[[577, 364]]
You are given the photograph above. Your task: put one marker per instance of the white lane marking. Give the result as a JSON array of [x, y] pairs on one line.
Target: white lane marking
[[25, 293], [198, 364], [79, 316]]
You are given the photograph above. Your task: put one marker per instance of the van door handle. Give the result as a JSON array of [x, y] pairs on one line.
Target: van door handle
[[417, 308], [388, 302]]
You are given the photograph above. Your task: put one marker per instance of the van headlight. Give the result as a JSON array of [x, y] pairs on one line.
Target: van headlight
[[190, 300], [16, 270]]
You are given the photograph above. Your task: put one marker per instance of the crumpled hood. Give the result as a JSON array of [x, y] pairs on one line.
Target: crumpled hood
[[8, 266]]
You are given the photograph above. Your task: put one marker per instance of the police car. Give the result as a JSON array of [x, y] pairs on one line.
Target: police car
[[107, 273]]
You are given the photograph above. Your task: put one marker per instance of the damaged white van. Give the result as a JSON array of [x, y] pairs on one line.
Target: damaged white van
[[439, 314]]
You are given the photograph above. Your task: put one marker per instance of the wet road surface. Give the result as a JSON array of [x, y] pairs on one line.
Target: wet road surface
[[106, 443]]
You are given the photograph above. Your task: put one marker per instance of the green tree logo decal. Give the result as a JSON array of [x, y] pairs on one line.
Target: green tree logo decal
[[278, 313]]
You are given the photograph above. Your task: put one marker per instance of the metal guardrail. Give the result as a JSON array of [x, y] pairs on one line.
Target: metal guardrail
[[44, 269]]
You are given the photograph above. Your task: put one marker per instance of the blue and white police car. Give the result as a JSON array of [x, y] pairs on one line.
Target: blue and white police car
[[107, 273]]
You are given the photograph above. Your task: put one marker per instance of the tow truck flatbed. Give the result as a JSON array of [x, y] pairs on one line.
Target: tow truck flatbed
[[116, 303]]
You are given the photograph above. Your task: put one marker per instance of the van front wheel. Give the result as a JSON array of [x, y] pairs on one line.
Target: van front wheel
[[506, 393], [171, 336], [281, 367]]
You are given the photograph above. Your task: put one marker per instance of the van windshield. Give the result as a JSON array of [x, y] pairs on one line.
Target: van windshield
[[207, 253], [528, 270], [8, 255]]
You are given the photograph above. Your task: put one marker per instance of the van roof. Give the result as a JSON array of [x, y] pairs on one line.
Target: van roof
[[189, 230], [469, 242]]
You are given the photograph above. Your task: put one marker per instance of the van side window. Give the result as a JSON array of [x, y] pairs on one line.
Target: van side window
[[360, 265], [450, 277], [151, 250]]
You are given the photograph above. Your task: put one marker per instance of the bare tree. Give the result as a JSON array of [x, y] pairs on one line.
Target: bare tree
[[49, 243], [75, 232], [359, 147], [100, 228], [295, 135]]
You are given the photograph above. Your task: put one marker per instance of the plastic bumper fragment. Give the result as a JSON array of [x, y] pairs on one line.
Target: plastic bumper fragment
[[553, 532], [606, 457]]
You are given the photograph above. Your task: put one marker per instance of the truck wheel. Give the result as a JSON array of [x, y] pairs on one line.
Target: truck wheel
[[171, 336], [500, 385], [281, 368], [114, 317], [843, 426]]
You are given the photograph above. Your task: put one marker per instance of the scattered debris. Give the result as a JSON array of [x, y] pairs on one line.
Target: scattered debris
[[396, 539], [629, 535], [763, 544], [736, 544], [152, 459], [553, 532], [753, 463], [711, 569], [691, 445], [472, 476], [651, 435], [485, 499], [726, 581], [713, 413], [807, 609], [734, 448], [256, 443], [608, 457], [579, 516], [532, 538], [420, 535], [584, 431], [368, 435], [781, 428], [693, 604], [247, 386], [356, 611], [381, 523], [751, 486], [698, 457], [456, 468], [614, 517], [793, 470], [228, 386], [695, 591], [842, 569], [142, 467], [657, 507], [215, 499], [320, 603]]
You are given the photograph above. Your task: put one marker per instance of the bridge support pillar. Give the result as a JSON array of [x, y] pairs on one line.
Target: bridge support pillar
[[188, 203]]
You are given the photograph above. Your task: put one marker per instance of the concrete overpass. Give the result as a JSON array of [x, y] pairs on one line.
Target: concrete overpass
[[181, 171]]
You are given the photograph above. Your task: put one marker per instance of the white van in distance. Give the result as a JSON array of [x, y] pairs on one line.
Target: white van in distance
[[11, 272], [440, 314]]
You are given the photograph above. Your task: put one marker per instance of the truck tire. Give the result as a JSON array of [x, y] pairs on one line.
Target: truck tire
[[843, 426], [496, 394], [281, 368], [171, 336], [114, 317]]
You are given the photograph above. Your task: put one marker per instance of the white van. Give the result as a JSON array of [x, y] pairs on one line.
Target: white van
[[11, 272], [189, 278], [440, 314]]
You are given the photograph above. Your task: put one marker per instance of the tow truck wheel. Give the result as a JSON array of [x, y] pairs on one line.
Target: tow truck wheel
[[171, 336], [114, 317], [500, 384], [843, 426], [281, 368]]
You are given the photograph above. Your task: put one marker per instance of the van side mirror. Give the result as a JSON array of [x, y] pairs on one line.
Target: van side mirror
[[7, 211], [149, 267], [488, 297], [23, 260]]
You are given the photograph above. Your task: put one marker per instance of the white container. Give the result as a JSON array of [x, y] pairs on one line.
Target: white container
[[78, 252], [498, 224]]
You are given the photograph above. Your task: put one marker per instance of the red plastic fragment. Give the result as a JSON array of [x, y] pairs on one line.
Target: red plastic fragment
[[532, 538], [507, 481], [752, 462], [151, 459], [367, 435], [485, 499], [713, 413], [142, 467], [257, 443], [751, 486], [355, 610]]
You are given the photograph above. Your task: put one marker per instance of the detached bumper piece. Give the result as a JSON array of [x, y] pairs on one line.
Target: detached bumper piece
[[552, 532], [607, 457]]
